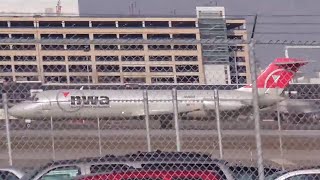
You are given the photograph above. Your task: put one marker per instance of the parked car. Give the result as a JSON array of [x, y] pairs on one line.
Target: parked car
[[11, 173], [174, 173], [250, 173], [154, 175], [147, 161], [298, 174]]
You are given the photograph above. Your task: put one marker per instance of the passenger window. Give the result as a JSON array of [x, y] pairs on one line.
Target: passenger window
[[62, 173]]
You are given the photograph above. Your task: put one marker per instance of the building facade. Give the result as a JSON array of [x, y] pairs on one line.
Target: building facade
[[116, 50]]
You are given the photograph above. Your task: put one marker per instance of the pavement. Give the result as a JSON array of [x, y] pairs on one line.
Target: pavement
[[33, 147]]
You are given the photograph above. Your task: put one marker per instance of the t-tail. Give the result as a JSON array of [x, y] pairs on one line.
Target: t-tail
[[277, 76]]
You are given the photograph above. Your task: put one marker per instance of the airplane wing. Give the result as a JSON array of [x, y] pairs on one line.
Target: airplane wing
[[246, 102], [269, 108], [158, 112], [165, 109]]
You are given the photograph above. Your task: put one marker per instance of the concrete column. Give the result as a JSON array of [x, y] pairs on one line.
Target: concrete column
[[36, 24], [94, 70], [144, 36]]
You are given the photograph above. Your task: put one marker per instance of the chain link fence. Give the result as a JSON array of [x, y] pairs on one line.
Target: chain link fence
[[118, 122]]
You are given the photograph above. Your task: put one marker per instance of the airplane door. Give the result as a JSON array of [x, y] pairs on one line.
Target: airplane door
[[46, 105]]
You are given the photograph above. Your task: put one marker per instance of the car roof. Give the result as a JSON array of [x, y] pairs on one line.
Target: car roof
[[281, 173], [130, 159], [157, 156], [287, 174], [18, 172], [302, 169]]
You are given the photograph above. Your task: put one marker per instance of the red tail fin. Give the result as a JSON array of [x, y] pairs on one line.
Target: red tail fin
[[279, 73]]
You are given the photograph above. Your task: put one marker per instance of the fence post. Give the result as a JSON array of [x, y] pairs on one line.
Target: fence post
[[280, 135], [147, 118], [217, 108], [52, 140], [99, 136], [176, 118], [256, 109], [6, 117]]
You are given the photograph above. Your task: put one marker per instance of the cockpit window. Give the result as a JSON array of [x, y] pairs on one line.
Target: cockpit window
[[34, 97]]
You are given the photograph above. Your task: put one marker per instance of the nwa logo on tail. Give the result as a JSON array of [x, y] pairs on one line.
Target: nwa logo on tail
[[89, 101]]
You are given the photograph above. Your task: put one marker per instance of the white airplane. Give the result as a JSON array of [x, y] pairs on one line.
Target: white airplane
[[92, 104]]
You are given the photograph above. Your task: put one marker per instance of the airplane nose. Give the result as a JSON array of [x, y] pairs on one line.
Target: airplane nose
[[15, 111], [24, 110]]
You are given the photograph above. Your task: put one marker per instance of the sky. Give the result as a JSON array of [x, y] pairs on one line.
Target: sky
[[188, 6], [37, 6]]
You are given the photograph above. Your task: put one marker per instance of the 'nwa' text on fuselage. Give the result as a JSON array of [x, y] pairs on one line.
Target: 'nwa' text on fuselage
[[89, 100]]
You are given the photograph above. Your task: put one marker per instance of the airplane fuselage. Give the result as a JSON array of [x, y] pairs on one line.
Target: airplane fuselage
[[60, 104]]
